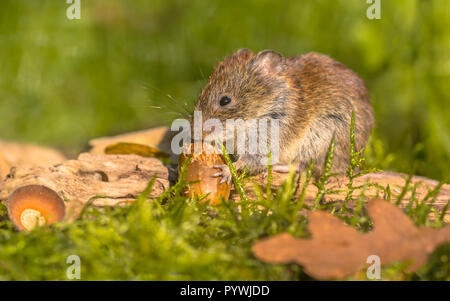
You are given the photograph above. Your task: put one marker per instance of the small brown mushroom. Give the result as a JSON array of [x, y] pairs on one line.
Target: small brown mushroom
[[34, 205], [201, 169]]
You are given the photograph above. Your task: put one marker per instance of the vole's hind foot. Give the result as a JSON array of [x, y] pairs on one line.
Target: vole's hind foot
[[224, 173], [281, 169]]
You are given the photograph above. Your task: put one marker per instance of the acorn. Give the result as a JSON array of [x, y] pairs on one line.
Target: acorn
[[201, 169], [34, 205]]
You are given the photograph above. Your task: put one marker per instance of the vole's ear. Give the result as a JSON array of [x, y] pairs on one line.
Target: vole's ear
[[239, 57], [243, 53], [267, 62]]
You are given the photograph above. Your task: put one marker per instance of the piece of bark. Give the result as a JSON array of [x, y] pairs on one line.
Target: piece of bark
[[4, 168], [396, 182], [20, 155], [336, 250], [30, 155], [107, 180]]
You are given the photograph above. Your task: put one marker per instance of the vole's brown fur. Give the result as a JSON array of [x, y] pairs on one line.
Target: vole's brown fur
[[312, 95]]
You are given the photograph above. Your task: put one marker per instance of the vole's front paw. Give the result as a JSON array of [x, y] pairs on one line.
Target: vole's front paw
[[224, 173]]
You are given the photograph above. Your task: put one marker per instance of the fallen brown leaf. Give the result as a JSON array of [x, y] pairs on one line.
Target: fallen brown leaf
[[127, 148], [336, 250], [160, 137]]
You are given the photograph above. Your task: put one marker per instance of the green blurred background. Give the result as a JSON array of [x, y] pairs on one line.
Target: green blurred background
[[63, 82]]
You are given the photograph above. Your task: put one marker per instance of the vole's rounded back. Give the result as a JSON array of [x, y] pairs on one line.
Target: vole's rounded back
[[311, 95]]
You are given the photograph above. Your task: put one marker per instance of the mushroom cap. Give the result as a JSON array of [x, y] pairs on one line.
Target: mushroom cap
[[33, 205]]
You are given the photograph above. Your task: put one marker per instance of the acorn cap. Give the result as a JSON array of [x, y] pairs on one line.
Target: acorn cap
[[33, 205]]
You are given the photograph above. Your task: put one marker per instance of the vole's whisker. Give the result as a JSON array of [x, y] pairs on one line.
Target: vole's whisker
[[201, 72], [146, 106], [178, 103], [175, 113], [182, 105]]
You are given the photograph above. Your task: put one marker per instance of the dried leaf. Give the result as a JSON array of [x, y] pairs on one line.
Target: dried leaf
[[160, 137], [126, 148], [337, 250]]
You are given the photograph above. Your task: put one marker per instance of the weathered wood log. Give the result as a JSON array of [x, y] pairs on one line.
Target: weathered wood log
[[109, 180], [30, 155], [106, 180], [160, 137], [14, 154], [396, 182], [4, 168]]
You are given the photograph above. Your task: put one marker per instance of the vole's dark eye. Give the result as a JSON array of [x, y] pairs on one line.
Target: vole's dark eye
[[224, 100]]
